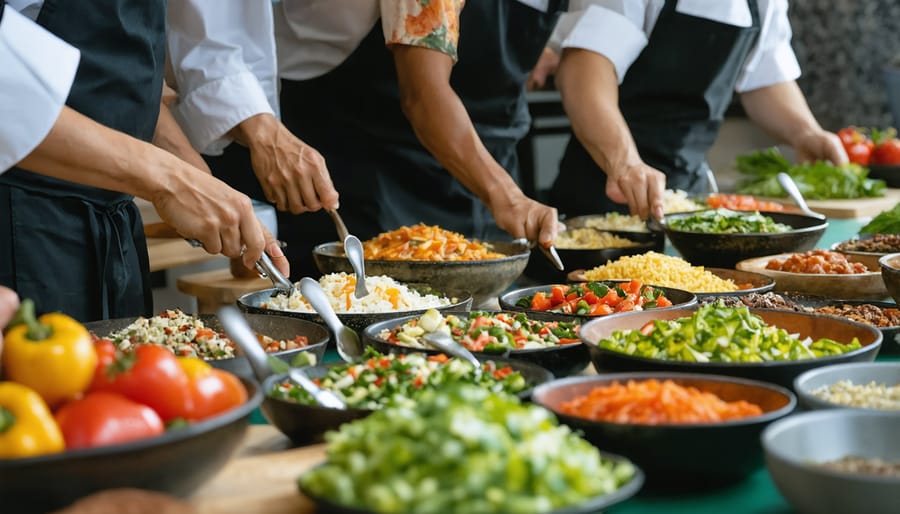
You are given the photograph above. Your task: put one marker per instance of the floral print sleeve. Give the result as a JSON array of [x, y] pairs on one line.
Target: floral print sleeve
[[430, 24]]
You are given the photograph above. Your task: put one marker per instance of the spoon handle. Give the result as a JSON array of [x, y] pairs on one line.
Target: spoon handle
[[239, 331], [354, 250], [794, 192], [338, 224], [315, 295], [446, 344]]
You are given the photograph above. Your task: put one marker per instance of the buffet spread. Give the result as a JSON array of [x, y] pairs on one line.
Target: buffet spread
[[641, 372]]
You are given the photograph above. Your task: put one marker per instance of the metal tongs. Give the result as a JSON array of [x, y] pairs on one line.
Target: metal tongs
[[264, 266], [548, 250]]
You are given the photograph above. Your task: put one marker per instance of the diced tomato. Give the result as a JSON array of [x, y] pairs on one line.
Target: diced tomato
[[600, 309], [662, 301], [502, 372], [647, 328], [540, 302], [481, 321], [571, 296], [591, 298], [626, 305], [568, 340], [611, 298], [558, 293], [438, 358], [419, 381], [379, 381], [480, 342]]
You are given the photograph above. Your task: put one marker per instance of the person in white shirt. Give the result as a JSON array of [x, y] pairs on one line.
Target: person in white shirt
[[646, 84], [42, 135], [408, 134]]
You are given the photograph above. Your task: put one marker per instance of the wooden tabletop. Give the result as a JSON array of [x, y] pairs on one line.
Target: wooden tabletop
[[260, 477]]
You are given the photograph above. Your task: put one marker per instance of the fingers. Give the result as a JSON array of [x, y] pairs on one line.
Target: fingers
[[835, 151], [9, 304], [273, 248], [549, 225], [254, 239]]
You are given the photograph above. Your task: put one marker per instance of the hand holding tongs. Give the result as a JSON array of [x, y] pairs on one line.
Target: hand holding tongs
[[265, 267]]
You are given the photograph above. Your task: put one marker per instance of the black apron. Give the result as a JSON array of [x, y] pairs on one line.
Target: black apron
[[385, 177], [73, 248], [673, 98]]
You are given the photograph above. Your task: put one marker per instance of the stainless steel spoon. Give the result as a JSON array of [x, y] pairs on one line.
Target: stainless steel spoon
[[794, 192], [549, 251], [354, 250], [338, 224], [239, 331], [443, 342], [349, 347]]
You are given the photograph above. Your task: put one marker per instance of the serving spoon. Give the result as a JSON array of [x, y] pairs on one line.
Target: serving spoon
[[349, 347], [354, 250], [237, 328], [443, 342], [548, 250], [788, 184]]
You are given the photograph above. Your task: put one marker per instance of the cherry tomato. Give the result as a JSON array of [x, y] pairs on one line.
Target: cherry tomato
[[857, 145], [213, 391], [887, 153], [850, 135], [103, 418], [149, 374]]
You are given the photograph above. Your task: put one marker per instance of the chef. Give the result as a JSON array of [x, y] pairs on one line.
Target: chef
[[413, 127], [646, 84], [77, 248]]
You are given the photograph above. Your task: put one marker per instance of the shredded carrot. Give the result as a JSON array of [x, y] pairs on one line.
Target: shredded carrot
[[426, 243], [651, 402]]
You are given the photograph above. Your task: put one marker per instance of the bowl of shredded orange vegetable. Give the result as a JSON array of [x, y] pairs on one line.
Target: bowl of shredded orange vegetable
[[682, 429], [432, 255]]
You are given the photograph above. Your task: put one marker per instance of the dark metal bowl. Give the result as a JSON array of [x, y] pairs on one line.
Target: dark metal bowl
[[306, 424], [484, 279], [777, 372], [795, 444], [562, 360], [276, 327], [678, 297], [889, 174], [177, 462], [726, 250], [253, 303], [679, 455]]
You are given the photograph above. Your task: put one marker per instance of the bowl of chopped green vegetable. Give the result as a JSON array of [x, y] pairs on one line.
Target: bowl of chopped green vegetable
[[423, 458], [721, 237], [836, 460], [549, 340], [382, 379], [760, 344], [685, 430], [592, 299]]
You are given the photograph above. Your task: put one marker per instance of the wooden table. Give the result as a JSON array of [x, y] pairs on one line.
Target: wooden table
[[261, 477]]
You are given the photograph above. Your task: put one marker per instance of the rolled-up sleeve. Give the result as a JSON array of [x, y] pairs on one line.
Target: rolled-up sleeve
[[222, 56], [772, 60], [432, 24], [35, 77], [612, 28]]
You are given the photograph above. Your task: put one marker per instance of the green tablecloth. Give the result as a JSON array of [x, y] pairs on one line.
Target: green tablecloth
[[755, 495]]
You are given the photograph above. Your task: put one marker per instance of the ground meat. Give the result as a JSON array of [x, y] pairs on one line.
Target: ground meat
[[817, 262], [757, 301], [879, 243], [865, 313]]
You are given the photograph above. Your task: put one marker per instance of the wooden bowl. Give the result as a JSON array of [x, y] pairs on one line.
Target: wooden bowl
[[859, 286]]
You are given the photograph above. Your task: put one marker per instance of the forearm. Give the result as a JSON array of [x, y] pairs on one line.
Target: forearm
[[781, 111], [590, 93], [81, 150], [172, 139]]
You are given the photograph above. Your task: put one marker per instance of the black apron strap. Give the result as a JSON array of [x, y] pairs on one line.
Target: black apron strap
[[673, 98]]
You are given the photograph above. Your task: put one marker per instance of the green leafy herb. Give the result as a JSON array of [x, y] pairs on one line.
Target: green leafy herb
[[816, 181], [887, 222], [724, 221]]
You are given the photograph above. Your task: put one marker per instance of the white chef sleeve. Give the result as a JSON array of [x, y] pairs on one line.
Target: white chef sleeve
[[612, 28], [772, 60], [222, 55], [36, 73]]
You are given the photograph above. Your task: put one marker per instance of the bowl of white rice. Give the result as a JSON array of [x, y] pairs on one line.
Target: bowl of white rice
[[387, 299]]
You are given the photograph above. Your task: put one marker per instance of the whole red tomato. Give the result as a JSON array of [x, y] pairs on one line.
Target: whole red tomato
[[149, 374], [857, 145], [887, 153], [102, 418], [213, 390]]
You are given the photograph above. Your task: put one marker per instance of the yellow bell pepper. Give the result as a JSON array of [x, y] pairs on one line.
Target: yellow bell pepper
[[53, 355], [27, 427]]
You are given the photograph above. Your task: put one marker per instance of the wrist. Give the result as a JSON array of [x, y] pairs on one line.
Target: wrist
[[254, 129]]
